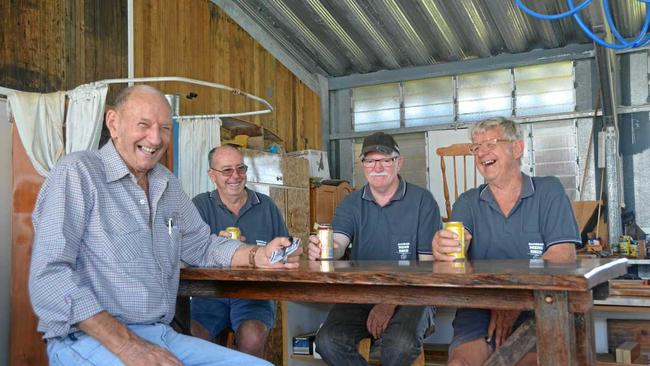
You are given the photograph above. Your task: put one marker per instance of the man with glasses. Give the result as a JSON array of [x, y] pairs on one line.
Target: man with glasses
[[512, 216], [388, 219], [231, 204]]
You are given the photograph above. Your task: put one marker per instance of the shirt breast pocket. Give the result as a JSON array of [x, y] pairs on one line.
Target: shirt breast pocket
[[123, 239]]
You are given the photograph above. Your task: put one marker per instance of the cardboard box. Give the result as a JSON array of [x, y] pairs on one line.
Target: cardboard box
[[318, 164]]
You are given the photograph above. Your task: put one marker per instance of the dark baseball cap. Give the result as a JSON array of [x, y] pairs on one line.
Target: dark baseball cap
[[380, 142]]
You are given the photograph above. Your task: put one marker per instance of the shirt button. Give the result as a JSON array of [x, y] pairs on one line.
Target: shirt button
[[143, 201]]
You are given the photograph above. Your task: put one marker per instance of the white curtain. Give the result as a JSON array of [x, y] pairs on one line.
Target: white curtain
[[197, 136], [39, 120], [85, 117]]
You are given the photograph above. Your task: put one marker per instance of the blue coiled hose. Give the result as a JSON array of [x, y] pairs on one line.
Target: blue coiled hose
[[574, 11]]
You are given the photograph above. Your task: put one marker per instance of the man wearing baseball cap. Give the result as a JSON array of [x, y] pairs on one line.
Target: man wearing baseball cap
[[388, 219]]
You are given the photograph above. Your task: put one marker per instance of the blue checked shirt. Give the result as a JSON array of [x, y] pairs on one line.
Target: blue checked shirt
[[100, 244]]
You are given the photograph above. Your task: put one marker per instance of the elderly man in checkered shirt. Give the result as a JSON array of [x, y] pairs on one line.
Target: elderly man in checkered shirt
[[111, 227]]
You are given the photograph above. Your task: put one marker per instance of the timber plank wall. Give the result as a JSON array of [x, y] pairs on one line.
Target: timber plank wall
[[51, 45]]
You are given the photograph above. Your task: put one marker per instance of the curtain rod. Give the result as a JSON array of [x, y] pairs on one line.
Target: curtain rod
[[197, 82]]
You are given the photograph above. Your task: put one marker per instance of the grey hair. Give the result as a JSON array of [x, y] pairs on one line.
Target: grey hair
[[511, 129], [125, 94]]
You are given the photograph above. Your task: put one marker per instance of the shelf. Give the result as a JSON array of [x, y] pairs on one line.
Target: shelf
[[242, 127], [624, 301]]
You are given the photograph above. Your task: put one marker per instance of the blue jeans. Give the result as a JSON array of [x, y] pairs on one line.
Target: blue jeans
[[81, 349], [472, 324], [216, 314], [345, 326]]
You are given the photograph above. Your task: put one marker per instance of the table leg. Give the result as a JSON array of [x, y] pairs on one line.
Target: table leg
[[585, 338], [555, 329]]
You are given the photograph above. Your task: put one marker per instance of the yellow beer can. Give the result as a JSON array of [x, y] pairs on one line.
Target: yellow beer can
[[457, 227], [234, 232], [325, 232]]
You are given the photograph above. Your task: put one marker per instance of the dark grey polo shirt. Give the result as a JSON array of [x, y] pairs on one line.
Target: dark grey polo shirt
[[398, 231], [259, 220], [540, 218]]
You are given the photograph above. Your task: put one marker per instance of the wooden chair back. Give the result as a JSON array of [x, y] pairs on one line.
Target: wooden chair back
[[454, 152]]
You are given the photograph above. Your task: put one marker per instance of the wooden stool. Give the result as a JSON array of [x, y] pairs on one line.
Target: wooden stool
[[364, 349]]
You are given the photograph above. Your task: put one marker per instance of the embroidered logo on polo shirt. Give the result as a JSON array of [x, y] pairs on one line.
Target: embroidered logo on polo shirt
[[404, 250], [535, 250]]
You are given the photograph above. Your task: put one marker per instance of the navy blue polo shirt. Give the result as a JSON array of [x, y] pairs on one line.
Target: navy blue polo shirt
[[259, 219], [541, 217], [400, 230]]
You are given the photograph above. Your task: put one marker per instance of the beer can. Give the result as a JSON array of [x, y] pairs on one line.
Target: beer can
[[234, 232], [325, 232], [326, 266], [457, 227]]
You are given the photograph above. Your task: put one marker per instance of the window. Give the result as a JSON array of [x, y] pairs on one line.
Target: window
[[544, 89], [428, 101], [519, 91], [376, 107], [484, 94], [552, 150]]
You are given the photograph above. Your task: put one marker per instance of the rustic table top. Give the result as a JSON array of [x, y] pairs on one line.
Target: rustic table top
[[581, 275]]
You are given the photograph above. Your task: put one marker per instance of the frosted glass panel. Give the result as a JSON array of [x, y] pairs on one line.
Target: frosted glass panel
[[480, 79], [553, 142], [376, 107], [491, 91], [428, 102], [544, 85], [556, 169], [522, 91], [375, 104], [376, 120], [484, 95], [376, 91], [544, 89], [428, 91], [553, 146], [544, 71], [549, 156]]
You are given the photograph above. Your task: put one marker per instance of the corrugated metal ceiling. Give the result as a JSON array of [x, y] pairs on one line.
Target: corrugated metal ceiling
[[344, 37]]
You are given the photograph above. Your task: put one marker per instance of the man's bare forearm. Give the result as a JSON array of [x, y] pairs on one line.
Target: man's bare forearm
[[110, 332]]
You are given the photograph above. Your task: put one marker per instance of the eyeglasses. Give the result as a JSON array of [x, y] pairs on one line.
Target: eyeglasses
[[227, 172], [386, 162], [488, 145]]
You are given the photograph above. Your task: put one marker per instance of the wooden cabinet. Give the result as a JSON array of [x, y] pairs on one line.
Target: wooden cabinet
[[323, 201]]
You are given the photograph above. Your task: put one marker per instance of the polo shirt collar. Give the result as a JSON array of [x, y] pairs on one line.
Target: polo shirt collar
[[115, 168], [527, 190], [399, 194], [253, 199]]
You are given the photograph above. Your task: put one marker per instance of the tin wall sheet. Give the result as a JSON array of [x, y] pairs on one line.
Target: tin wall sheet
[[641, 164], [345, 37]]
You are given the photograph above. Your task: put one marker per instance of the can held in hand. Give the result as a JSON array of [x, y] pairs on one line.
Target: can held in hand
[[234, 232], [325, 232], [457, 227]]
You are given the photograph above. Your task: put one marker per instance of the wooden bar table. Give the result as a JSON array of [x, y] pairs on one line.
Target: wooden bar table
[[561, 294]]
